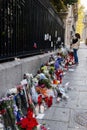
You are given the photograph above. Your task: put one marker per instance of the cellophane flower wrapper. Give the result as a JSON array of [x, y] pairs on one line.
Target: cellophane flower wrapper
[[8, 115], [34, 94]]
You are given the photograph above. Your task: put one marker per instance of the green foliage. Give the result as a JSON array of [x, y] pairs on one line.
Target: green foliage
[[19, 128], [46, 82], [80, 25], [51, 70], [70, 2], [58, 5], [8, 116], [35, 128], [61, 5]]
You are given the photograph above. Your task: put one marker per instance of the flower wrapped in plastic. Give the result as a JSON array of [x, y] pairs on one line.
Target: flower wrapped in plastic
[[42, 91], [59, 74], [51, 72], [20, 99], [29, 122], [56, 64], [34, 94], [6, 109], [49, 101]]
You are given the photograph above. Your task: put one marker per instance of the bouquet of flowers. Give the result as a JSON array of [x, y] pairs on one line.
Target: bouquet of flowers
[[6, 110], [29, 122]]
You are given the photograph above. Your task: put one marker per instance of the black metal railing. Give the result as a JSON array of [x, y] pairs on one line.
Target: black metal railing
[[25, 27]]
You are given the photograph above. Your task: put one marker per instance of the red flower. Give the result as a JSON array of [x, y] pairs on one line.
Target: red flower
[[18, 123], [49, 101], [2, 111], [32, 123], [46, 100], [29, 122], [43, 128], [24, 123], [39, 99], [30, 113], [66, 67], [59, 73]]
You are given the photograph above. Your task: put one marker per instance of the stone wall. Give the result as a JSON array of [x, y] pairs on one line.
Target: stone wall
[[11, 73]]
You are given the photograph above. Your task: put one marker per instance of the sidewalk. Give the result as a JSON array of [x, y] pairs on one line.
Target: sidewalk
[[71, 114]]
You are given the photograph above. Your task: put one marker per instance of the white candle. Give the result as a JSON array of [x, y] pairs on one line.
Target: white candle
[[41, 109], [38, 127], [37, 109]]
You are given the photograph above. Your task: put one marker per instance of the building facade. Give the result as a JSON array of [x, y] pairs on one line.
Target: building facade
[[70, 23]]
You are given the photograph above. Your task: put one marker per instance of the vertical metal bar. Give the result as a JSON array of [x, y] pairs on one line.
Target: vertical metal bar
[[12, 30], [11, 26], [2, 28], [16, 33], [21, 26]]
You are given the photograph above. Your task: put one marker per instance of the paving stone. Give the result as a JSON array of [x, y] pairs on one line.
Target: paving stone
[[78, 82], [83, 100], [54, 125], [73, 122], [77, 128], [75, 81], [80, 88], [69, 78], [57, 114], [86, 81], [61, 126], [71, 102]]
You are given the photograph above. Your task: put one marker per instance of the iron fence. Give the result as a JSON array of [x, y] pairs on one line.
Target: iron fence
[[27, 27]]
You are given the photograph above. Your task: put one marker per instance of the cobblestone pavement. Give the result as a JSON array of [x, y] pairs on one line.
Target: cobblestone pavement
[[71, 114]]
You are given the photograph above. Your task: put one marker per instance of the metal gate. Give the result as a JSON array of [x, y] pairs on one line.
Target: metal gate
[[27, 27]]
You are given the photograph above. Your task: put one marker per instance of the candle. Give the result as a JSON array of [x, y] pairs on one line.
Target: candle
[[41, 109]]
